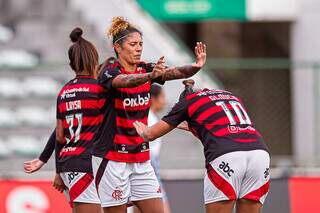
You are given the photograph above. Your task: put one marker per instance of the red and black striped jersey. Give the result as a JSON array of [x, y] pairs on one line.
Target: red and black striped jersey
[[80, 105], [219, 120], [118, 140]]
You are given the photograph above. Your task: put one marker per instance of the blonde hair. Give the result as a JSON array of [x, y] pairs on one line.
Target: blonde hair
[[120, 28]]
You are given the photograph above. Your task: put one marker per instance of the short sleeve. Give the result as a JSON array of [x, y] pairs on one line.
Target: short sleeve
[[149, 67], [107, 76], [178, 113]]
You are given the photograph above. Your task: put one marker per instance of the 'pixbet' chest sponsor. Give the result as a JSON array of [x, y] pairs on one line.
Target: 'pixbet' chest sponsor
[[138, 101]]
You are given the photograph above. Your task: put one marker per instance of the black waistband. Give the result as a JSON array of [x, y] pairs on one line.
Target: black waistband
[[124, 148]]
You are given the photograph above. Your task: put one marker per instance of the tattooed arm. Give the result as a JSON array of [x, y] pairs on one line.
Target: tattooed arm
[[125, 81], [173, 73]]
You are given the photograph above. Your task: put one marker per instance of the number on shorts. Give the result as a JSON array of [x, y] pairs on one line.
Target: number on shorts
[[70, 122], [238, 109]]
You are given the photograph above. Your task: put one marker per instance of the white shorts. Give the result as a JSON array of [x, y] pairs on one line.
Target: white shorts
[[236, 175], [118, 182], [81, 187]]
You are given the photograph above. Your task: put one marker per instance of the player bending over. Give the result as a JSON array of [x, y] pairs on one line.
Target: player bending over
[[237, 160]]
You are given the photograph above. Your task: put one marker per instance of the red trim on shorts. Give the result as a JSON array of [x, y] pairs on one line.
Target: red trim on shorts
[[80, 186], [221, 183], [258, 193]]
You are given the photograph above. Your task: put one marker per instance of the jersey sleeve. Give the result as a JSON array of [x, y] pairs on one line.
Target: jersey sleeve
[[58, 113], [49, 148], [149, 67], [107, 76], [57, 147], [178, 113]]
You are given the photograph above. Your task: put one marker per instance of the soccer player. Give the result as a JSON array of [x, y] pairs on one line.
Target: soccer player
[[79, 113], [121, 160], [237, 160]]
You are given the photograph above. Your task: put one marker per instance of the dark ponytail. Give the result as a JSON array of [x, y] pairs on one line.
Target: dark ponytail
[[82, 53], [76, 34]]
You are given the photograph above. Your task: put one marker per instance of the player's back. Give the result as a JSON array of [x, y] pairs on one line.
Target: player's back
[[221, 122], [80, 107]]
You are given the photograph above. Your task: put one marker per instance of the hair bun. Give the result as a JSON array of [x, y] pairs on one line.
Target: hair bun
[[76, 34], [118, 24]]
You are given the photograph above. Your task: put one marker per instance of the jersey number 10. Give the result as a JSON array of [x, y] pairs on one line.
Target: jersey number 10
[[70, 122], [238, 109]]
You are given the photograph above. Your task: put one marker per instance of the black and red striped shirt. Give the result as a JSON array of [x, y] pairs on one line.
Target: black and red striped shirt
[[118, 140], [219, 120], [80, 105]]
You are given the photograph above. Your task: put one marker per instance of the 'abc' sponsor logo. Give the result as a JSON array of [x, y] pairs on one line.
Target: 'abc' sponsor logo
[[226, 168], [138, 101], [72, 176]]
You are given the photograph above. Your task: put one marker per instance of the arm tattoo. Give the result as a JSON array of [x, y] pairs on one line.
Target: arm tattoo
[[126, 81], [173, 73]]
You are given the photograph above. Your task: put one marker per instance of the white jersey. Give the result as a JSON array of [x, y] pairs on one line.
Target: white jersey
[[155, 145]]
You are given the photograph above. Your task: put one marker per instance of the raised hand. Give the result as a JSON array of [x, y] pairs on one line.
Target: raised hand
[[201, 55], [140, 127], [32, 166], [159, 68]]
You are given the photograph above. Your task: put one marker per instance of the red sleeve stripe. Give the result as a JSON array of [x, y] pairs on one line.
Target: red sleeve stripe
[[196, 105], [127, 123], [85, 104], [128, 157], [86, 121], [132, 105], [136, 90], [128, 140], [93, 88], [75, 151]]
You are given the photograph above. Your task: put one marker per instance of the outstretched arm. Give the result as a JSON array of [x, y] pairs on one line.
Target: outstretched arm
[[173, 73], [125, 81], [37, 163], [151, 133]]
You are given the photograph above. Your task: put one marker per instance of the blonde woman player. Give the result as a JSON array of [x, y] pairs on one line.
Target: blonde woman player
[[121, 158]]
